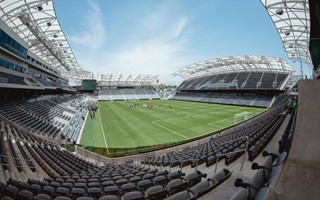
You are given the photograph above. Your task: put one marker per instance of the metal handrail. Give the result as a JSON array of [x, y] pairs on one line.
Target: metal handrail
[[233, 152]]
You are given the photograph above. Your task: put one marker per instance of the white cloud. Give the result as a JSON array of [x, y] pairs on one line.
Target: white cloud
[[162, 52], [93, 34]]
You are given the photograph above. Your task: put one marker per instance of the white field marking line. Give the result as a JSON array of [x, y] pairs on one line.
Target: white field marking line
[[172, 131], [212, 123], [104, 137], [175, 132]]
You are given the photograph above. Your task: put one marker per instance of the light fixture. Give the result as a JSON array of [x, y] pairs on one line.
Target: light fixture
[[287, 32], [279, 11], [39, 7]]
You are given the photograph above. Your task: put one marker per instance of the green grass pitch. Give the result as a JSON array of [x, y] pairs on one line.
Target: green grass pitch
[[118, 128]]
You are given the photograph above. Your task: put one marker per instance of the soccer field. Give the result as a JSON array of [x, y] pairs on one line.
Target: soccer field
[[121, 129]]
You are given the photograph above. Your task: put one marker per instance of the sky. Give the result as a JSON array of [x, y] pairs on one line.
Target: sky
[[160, 37]]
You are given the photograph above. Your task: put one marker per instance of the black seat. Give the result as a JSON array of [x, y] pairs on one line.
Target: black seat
[[43, 197], [160, 180], [93, 184], [148, 176], [62, 198], [121, 181], [109, 197], [112, 190], [128, 187], [55, 184], [80, 185], [78, 192], [135, 179], [175, 175], [10, 191], [144, 184], [85, 198], [176, 185], [62, 191], [27, 195], [201, 188], [107, 183], [49, 190], [194, 178], [184, 195], [35, 189], [136, 195], [94, 192], [220, 177], [157, 192]]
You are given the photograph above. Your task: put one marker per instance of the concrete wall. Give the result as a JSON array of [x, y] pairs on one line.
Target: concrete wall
[[300, 176]]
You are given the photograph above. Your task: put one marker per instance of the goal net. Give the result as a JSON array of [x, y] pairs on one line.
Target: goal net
[[243, 116]]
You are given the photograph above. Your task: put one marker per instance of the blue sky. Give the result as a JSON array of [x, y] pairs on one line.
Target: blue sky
[[160, 37]]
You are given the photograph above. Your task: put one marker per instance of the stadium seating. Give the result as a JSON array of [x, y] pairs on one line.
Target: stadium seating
[[128, 94], [234, 80], [231, 99], [68, 176]]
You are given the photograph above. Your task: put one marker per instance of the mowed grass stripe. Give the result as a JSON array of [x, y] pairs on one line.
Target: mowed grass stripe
[[127, 127]]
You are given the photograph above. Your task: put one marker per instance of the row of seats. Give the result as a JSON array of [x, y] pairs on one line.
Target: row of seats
[[230, 99], [235, 80], [165, 184], [256, 187]]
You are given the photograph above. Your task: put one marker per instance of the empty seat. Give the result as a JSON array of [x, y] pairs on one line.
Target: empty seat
[[194, 178], [136, 195], [43, 197], [112, 190], [85, 198], [49, 190], [175, 175], [176, 185], [184, 195], [94, 192], [27, 195], [128, 187], [77, 192], [144, 184], [62, 198], [201, 188], [239, 195], [62, 191], [156, 192], [160, 180], [109, 197], [220, 177]]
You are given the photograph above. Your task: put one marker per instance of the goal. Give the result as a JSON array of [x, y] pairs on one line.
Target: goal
[[243, 116]]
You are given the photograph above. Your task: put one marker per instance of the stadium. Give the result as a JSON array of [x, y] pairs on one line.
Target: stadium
[[236, 127]]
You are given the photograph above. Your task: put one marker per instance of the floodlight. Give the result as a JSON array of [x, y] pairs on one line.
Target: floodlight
[[287, 32], [39, 7], [279, 11]]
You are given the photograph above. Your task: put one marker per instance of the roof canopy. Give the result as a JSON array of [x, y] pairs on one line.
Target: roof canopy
[[235, 64], [122, 79], [35, 21], [292, 20]]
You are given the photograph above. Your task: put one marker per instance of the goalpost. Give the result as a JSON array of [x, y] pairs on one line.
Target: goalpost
[[243, 116]]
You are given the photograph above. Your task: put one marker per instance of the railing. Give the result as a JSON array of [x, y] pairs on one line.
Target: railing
[[233, 152]]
